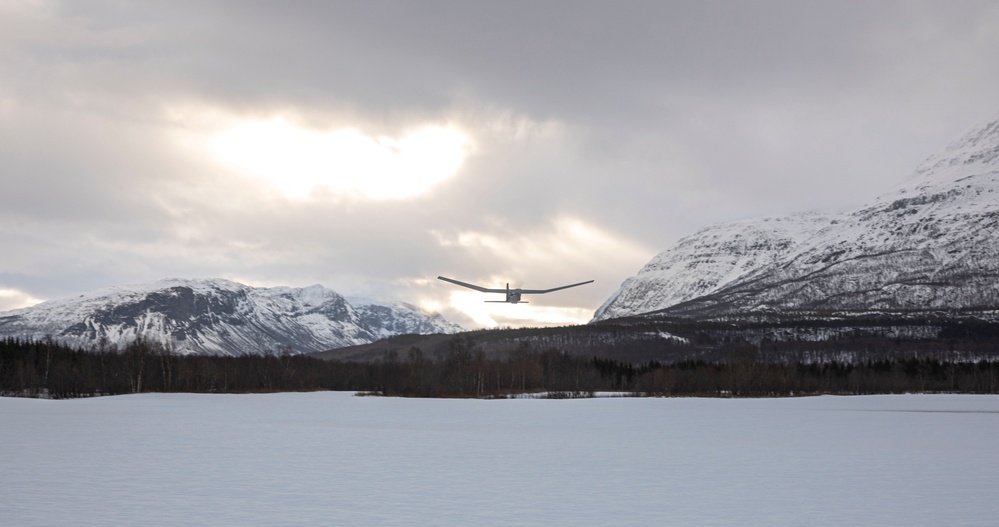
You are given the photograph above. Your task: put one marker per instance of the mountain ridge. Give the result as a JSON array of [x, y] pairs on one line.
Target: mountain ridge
[[928, 243], [218, 316]]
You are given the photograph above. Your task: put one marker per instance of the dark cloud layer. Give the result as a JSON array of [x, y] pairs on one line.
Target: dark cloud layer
[[642, 120]]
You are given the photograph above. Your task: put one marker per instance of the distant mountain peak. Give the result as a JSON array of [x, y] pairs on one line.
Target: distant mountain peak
[[218, 316]]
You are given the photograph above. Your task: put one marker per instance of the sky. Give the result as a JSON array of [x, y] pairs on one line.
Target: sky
[[372, 146]]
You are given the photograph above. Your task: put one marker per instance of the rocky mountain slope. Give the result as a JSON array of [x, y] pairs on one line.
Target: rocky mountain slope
[[388, 319], [219, 317], [930, 244], [710, 259]]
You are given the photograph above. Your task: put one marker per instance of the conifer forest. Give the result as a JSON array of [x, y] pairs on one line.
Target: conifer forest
[[734, 369]]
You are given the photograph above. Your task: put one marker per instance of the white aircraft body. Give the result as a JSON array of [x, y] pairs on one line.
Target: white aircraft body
[[512, 295]]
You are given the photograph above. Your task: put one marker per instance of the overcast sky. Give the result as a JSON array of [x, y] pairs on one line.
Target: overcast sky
[[371, 146]]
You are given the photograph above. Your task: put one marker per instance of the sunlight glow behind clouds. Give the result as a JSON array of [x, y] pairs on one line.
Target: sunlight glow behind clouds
[[343, 161], [564, 239], [15, 299], [491, 315]]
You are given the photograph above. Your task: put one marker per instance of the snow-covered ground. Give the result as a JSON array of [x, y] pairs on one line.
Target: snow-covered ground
[[336, 459]]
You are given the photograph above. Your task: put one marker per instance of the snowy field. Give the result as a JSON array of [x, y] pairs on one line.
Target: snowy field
[[336, 459]]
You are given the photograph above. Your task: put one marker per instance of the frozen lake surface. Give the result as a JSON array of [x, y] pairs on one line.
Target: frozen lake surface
[[335, 459]]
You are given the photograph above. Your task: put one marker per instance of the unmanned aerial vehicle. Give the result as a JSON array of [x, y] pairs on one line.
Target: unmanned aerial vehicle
[[512, 295]]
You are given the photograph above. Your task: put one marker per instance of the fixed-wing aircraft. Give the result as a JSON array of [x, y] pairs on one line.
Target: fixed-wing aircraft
[[512, 295]]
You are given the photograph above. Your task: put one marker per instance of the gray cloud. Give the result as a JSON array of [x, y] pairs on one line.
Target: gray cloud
[[643, 120]]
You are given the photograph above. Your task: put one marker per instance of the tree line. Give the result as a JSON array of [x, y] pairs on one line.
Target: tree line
[[46, 368]]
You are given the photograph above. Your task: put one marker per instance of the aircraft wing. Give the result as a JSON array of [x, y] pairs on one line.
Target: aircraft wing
[[471, 286], [543, 291]]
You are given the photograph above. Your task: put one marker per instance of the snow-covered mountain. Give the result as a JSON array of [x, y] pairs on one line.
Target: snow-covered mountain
[[219, 317], [387, 319], [709, 260], [931, 243]]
